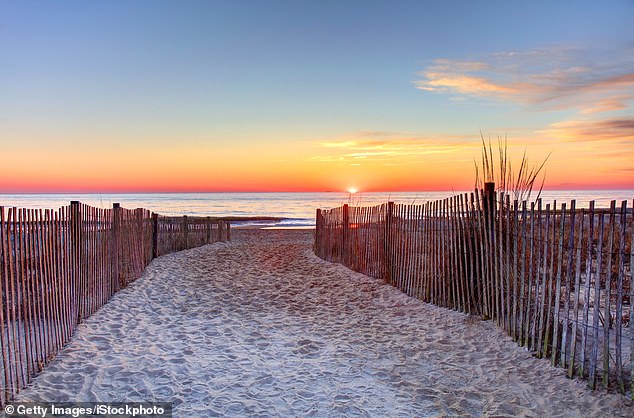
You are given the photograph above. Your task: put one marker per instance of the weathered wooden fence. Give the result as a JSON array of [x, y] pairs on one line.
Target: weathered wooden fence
[[558, 279], [57, 267]]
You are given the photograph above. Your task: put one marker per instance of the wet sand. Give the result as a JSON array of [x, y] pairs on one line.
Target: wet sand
[[262, 327]]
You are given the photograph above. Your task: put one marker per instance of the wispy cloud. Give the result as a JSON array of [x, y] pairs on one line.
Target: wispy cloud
[[385, 147], [556, 77], [464, 84], [620, 130], [608, 104], [339, 144]]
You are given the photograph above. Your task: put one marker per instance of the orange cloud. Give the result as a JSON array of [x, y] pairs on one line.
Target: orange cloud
[[463, 84]]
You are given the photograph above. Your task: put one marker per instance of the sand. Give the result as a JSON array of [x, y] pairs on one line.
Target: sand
[[262, 327]]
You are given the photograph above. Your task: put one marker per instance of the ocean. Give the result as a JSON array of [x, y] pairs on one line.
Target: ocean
[[298, 209]]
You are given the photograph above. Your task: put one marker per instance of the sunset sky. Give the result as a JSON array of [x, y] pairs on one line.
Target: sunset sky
[[116, 96]]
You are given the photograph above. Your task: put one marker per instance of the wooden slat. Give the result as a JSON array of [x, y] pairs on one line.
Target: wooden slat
[[497, 252], [567, 285], [619, 298], [426, 282], [577, 292], [539, 254], [36, 286], [15, 276], [62, 278], [607, 317], [29, 298], [522, 275], [412, 253], [36, 303], [499, 271], [487, 259], [474, 301], [5, 337], [596, 305], [447, 278], [586, 289], [515, 325], [529, 292], [402, 243], [435, 250], [422, 262], [396, 245], [442, 283], [560, 249], [463, 225], [541, 351], [483, 262], [508, 214], [460, 250], [550, 281]]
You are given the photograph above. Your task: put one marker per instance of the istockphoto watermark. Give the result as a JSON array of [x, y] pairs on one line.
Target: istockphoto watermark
[[89, 409]]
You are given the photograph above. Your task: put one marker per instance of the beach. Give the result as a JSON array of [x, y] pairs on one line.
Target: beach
[[262, 327]]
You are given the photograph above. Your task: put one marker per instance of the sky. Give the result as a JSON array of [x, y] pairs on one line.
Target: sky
[[160, 96]]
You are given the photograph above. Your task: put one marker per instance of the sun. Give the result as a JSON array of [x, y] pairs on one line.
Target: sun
[[352, 190]]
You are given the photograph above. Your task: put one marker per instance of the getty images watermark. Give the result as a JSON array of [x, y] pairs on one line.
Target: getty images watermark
[[89, 409]]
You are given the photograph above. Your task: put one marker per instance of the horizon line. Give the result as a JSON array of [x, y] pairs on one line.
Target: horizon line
[[555, 188]]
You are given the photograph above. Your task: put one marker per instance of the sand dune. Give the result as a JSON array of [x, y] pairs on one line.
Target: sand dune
[[262, 327]]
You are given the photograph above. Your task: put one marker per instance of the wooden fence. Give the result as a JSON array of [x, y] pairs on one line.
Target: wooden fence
[[558, 279], [57, 267]]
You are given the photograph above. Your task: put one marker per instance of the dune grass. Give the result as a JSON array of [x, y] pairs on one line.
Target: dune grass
[[518, 182]]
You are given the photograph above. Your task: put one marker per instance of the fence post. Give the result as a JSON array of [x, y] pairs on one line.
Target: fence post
[[318, 227], [489, 204], [208, 229], [116, 240], [185, 227], [346, 235], [75, 244], [387, 242], [220, 228], [488, 207], [228, 225], [154, 235]]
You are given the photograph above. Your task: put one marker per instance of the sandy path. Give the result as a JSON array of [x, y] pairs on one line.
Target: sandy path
[[262, 327]]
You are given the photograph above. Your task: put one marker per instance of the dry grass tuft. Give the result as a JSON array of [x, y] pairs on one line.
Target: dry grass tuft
[[518, 183]]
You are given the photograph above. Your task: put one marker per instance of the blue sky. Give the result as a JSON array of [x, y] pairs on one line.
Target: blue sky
[[314, 80]]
